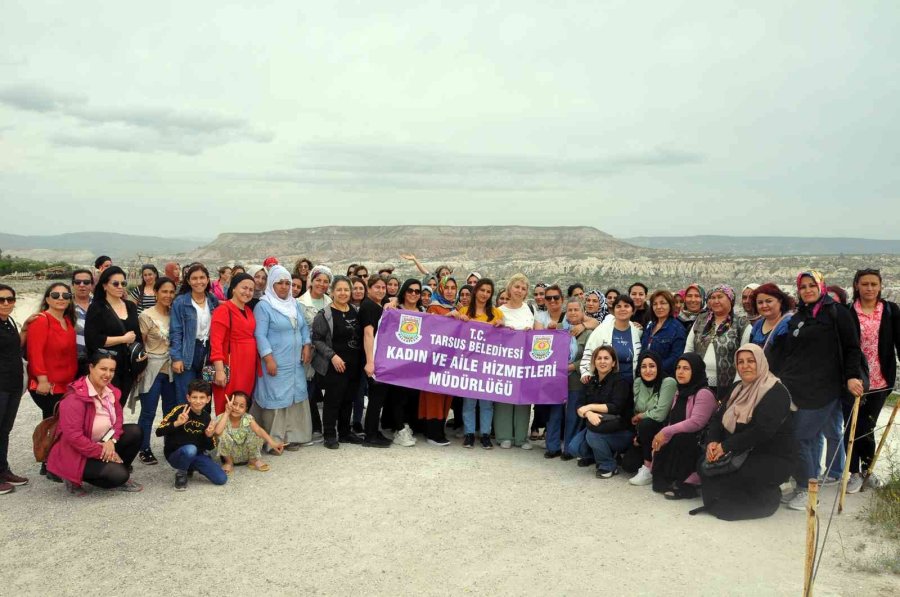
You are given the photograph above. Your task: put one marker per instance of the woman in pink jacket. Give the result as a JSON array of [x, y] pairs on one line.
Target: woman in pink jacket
[[675, 448], [92, 443]]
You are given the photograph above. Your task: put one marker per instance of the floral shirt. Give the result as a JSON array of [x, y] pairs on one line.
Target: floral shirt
[[869, 325]]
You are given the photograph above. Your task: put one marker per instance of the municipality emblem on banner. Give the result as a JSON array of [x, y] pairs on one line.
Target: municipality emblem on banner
[[408, 331], [541, 347]]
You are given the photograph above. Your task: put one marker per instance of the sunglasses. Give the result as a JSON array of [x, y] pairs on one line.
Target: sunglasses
[[7, 300], [107, 353], [413, 291], [117, 284], [61, 295], [82, 282], [363, 275], [553, 297]]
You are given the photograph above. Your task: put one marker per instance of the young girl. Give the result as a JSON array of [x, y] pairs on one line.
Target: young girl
[[240, 436]]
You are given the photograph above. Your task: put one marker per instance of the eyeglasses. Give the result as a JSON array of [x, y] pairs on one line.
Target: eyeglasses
[[7, 300], [552, 297], [413, 291], [117, 284], [82, 282], [61, 295]]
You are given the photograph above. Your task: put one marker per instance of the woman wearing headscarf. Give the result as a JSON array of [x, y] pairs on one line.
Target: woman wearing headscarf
[[754, 419], [312, 301], [595, 305], [716, 336], [653, 394], [232, 343], [694, 305], [747, 302], [675, 447], [464, 297], [173, 272], [260, 277], [284, 345], [817, 360]]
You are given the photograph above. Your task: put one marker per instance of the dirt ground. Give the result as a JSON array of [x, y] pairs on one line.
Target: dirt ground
[[422, 520]]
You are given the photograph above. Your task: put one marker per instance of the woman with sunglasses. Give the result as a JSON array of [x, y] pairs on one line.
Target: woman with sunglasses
[[112, 323], [143, 294], [10, 385]]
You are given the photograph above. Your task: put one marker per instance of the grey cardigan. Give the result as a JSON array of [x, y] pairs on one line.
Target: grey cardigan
[[322, 331]]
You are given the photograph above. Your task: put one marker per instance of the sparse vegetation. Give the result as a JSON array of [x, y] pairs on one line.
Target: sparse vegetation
[[10, 265], [883, 513]]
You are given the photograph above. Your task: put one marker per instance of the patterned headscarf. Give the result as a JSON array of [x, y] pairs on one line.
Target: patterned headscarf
[[690, 316], [316, 271], [601, 314], [724, 289], [438, 295], [819, 279]]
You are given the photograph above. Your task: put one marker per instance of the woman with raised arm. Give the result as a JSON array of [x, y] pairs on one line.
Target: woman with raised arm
[[143, 294]]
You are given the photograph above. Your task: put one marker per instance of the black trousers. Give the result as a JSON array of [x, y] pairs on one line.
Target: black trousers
[[112, 474], [45, 402], [9, 408], [340, 390], [314, 389], [400, 402], [635, 456], [377, 393], [865, 442]]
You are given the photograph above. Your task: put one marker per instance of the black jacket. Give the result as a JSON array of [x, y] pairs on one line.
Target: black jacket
[[888, 339], [768, 432], [818, 355], [616, 394], [10, 358]]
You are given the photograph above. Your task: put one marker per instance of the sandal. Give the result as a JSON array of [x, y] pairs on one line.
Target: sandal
[[681, 492], [256, 465]]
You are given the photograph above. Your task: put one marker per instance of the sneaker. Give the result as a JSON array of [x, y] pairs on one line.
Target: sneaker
[[486, 442], [439, 441], [12, 479], [378, 441], [548, 454], [181, 480], [583, 462], [643, 477], [469, 440], [855, 483], [506, 444], [351, 438], [799, 501], [147, 457], [130, 486], [6, 488], [829, 481], [873, 482], [332, 444], [404, 437], [787, 498], [317, 437], [526, 446], [602, 474]]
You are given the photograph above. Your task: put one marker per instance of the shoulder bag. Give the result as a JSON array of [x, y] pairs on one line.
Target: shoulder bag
[[45, 435], [209, 370]]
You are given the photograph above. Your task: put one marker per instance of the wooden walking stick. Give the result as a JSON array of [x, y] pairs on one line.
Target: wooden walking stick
[[845, 478], [881, 443], [811, 506]]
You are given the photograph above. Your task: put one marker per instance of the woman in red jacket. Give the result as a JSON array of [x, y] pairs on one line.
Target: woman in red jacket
[[52, 352], [233, 344], [92, 443]]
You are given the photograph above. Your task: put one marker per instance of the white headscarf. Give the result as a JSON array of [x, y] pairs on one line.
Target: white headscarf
[[285, 306]]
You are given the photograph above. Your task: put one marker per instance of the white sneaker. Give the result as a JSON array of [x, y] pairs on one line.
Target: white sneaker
[[829, 481], [799, 501], [506, 444], [874, 482], [526, 445], [643, 477], [404, 437], [855, 483]]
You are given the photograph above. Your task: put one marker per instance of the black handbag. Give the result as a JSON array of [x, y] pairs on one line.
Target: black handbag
[[728, 463], [134, 352], [608, 423]]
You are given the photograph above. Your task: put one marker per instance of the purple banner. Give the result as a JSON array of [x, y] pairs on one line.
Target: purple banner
[[470, 359]]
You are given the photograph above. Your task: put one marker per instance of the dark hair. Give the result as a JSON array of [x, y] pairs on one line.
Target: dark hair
[[641, 284], [98, 355], [351, 269], [669, 299], [359, 267], [488, 306], [99, 290], [83, 271], [572, 287], [372, 280], [438, 269], [608, 290], [238, 266], [70, 308], [160, 282], [240, 394], [402, 292], [865, 272], [9, 288], [296, 276], [609, 350], [198, 385], [840, 292], [145, 267], [623, 298], [222, 269], [337, 279], [354, 280], [101, 260], [192, 268], [771, 288], [468, 287], [388, 278], [554, 287]]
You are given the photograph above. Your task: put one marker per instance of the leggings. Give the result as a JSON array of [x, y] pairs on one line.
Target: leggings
[[108, 475], [45, 402]]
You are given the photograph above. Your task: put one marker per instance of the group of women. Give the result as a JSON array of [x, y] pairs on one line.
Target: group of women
[[689, 394]]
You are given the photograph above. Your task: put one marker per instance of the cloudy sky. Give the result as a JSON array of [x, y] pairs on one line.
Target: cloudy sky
[[640, 118]]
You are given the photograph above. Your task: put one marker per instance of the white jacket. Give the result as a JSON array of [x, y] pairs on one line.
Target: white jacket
[[602, 336]]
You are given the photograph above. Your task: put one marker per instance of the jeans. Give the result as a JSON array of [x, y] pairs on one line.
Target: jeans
[[574, 399], [485, 418], [190, 457], [183, 379], [810, 424], [602, 447], [554, 426], [150, 400], [9, 407]]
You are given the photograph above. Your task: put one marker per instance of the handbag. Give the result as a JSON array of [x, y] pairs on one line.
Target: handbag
[[134, 352], [608, 424], [728, 463], [209, 371], [45, 436]]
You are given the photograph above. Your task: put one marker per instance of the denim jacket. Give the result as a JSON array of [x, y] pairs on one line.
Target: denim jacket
[[183, 327], [668, 343]]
